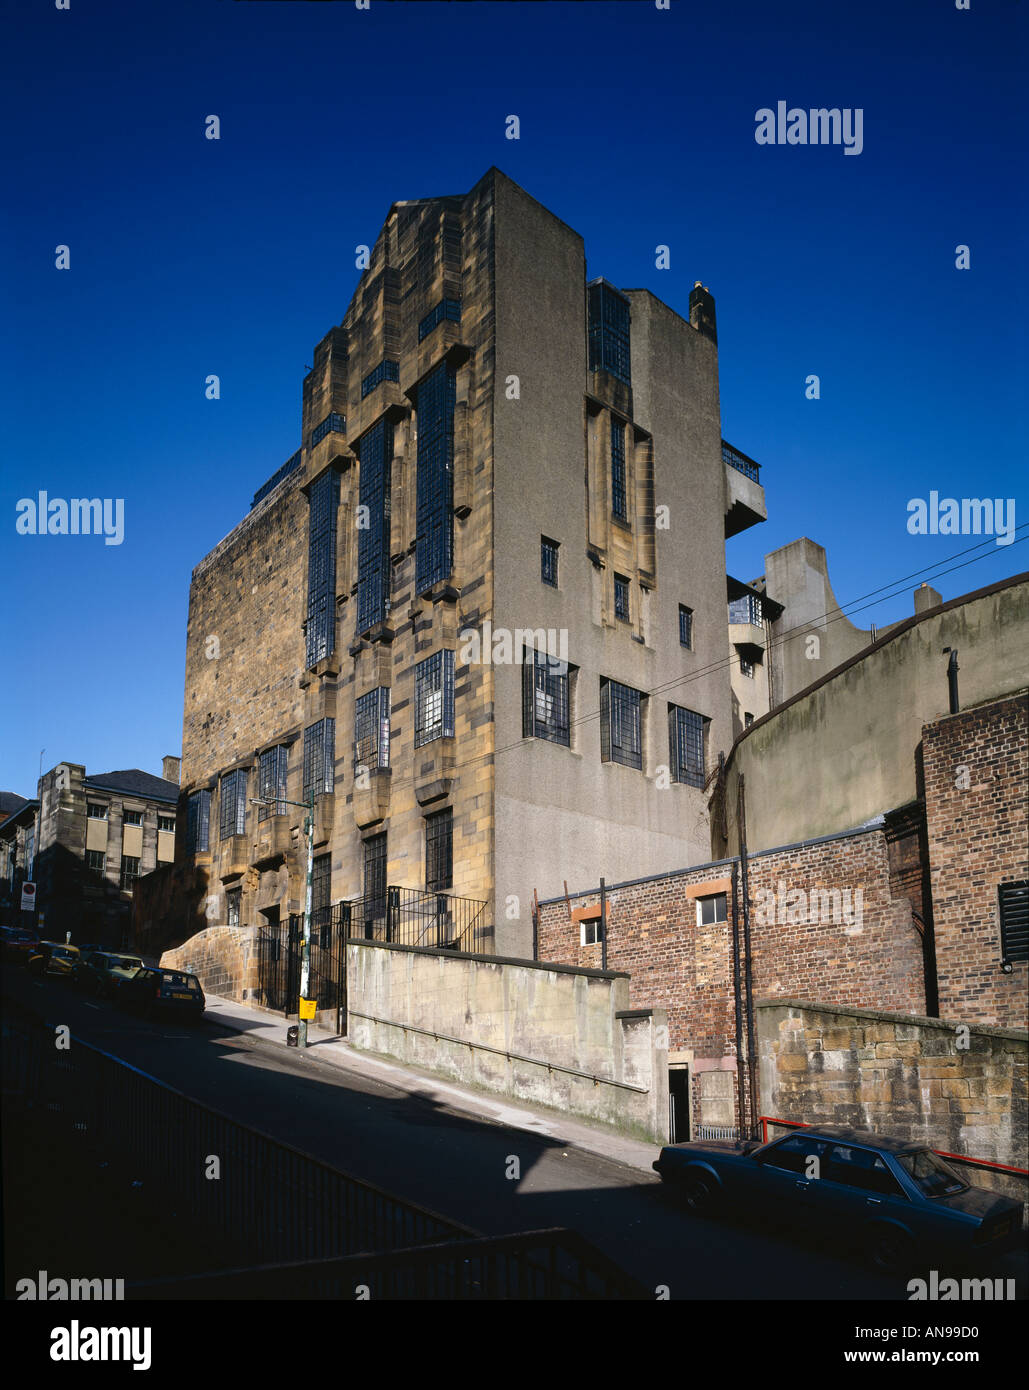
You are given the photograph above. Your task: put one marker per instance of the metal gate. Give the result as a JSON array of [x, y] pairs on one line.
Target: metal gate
[[280, 950]]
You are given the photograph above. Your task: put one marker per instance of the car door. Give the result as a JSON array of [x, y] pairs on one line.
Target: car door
[[858, 1189], [783, 1175]]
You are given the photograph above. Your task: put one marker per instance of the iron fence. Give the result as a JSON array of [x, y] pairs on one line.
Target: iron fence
[[410, 917], [553, 1264], [740, 462], [279, 957]]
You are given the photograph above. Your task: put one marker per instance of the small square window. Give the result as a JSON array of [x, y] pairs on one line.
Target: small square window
[[96, 811], [746, 668], [166, 823], [96, 861], [748, 719], [711, 910], [685, 627], [591, 931], [548, 561], [621, 598], [132, 818]]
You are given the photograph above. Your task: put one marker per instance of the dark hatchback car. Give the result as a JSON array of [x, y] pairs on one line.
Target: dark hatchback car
[[894, 1198], [155, 991]]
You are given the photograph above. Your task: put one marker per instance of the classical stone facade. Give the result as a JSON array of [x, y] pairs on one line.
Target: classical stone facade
[[496, 459]]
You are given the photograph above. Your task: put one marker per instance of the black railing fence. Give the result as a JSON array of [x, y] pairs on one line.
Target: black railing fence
[[735, 459], [409, 917]]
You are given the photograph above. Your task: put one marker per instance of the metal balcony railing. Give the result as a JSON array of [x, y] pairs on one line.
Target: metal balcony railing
[[740, 462]]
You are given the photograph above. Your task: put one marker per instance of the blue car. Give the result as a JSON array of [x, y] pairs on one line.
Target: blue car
[[895, 1198]]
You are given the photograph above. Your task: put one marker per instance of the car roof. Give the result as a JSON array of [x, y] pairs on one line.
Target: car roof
[[864, 1138]]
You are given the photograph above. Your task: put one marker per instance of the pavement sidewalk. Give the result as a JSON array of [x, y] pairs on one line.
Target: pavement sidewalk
[[324, 1048]]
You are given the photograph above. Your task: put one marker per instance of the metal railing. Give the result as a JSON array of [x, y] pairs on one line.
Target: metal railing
[[740, 462], [410, 917], [553, 1264], [271, 1203]]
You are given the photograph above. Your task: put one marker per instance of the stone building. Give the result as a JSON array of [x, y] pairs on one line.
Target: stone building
[[17, 854], [884, 843], [480, 615], [85, 841]]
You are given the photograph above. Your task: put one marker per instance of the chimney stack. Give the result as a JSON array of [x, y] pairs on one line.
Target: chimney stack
[[170, 768], [926, 598], [702, 311]]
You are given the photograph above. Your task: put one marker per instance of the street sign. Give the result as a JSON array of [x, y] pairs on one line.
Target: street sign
[[308, 1008], [28, 897]]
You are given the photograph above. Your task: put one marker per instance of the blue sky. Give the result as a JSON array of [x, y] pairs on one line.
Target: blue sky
[[234, 257]]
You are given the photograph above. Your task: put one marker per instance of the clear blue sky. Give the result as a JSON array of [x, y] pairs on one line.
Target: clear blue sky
[[191, 257]]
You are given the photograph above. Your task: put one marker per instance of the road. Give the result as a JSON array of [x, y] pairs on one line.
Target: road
[[461, 1165]]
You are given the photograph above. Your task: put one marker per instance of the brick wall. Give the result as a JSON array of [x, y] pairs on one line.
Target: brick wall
[[975, 790]]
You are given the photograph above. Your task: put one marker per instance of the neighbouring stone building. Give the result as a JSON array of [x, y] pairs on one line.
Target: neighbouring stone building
[[85, 840], [444, 615], [886, 850]]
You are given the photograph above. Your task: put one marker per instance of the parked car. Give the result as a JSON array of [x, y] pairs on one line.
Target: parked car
[[154, 991], [16, 944], [896, 1199], [103, 972], [54, 958]]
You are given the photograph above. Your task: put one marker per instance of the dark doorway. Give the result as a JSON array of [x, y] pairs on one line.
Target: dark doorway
[[679, 1104]]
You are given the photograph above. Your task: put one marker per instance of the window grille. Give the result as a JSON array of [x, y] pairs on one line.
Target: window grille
[[434, 546], [545, 698], [687, 737], [319, 757], [198, 821], [439, 851], [434, 698], [233, 803], [373, 568], [371, 729], [271, 772], [621, 733]]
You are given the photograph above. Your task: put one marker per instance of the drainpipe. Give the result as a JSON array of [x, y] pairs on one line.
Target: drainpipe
[[603, 926], [738, 1002], [952, 678], [745, 894]]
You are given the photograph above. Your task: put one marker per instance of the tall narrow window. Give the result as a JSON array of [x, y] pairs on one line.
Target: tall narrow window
[[271, 773], [434, 546], [434, 698], [618, 469], [129, 870], [233, 903], [232, 803], [198, 821], [321, 887], [319, 757], [1013, 902], [548, 561], [545, 698], [685, 626], [375, 877], [608, 320], [621, 724], [373, 569], [96, 861], [439, 851], [321, 567], [687, 736], [621, 598], [371, 729]]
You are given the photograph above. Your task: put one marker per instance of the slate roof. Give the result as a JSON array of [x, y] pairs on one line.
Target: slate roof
[[136, 783], [10, 803]]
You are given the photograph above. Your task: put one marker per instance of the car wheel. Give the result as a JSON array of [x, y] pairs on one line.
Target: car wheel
[[889, 1248], [698, 1193]]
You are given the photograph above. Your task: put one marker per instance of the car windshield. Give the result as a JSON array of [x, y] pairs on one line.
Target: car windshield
[[930, 1174], [126, 963], [65, 952]]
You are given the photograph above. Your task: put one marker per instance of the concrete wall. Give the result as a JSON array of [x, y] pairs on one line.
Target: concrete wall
[[898, 1074], [845, 750], [466, 1017]]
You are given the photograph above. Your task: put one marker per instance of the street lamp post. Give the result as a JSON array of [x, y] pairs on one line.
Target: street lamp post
[[305, 954]]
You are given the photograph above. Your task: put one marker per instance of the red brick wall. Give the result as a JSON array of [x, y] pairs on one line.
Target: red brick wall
[[975, 787]]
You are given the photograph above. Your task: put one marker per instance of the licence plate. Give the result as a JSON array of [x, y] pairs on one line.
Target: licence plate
[[182, 996]]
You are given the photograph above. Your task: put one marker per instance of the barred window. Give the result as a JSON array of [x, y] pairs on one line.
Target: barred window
[[233, 903], [618, 469], [445, 309], [232, 803], [129, 870], [621, 598], [271, 781], [321, 885], [132, 817], [96, 861], [1013, 900], [746, 667], [95, 810], [332, 424], [198, 822], [375, 451], [375, 876], [621, 724], [548, 561], [385, 371], [371, 729], [321, 567], [434, 698], [685, 626], [439, 851], [545, 698], [608, 318], [434, 544], [319, 757], [687, 732]]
